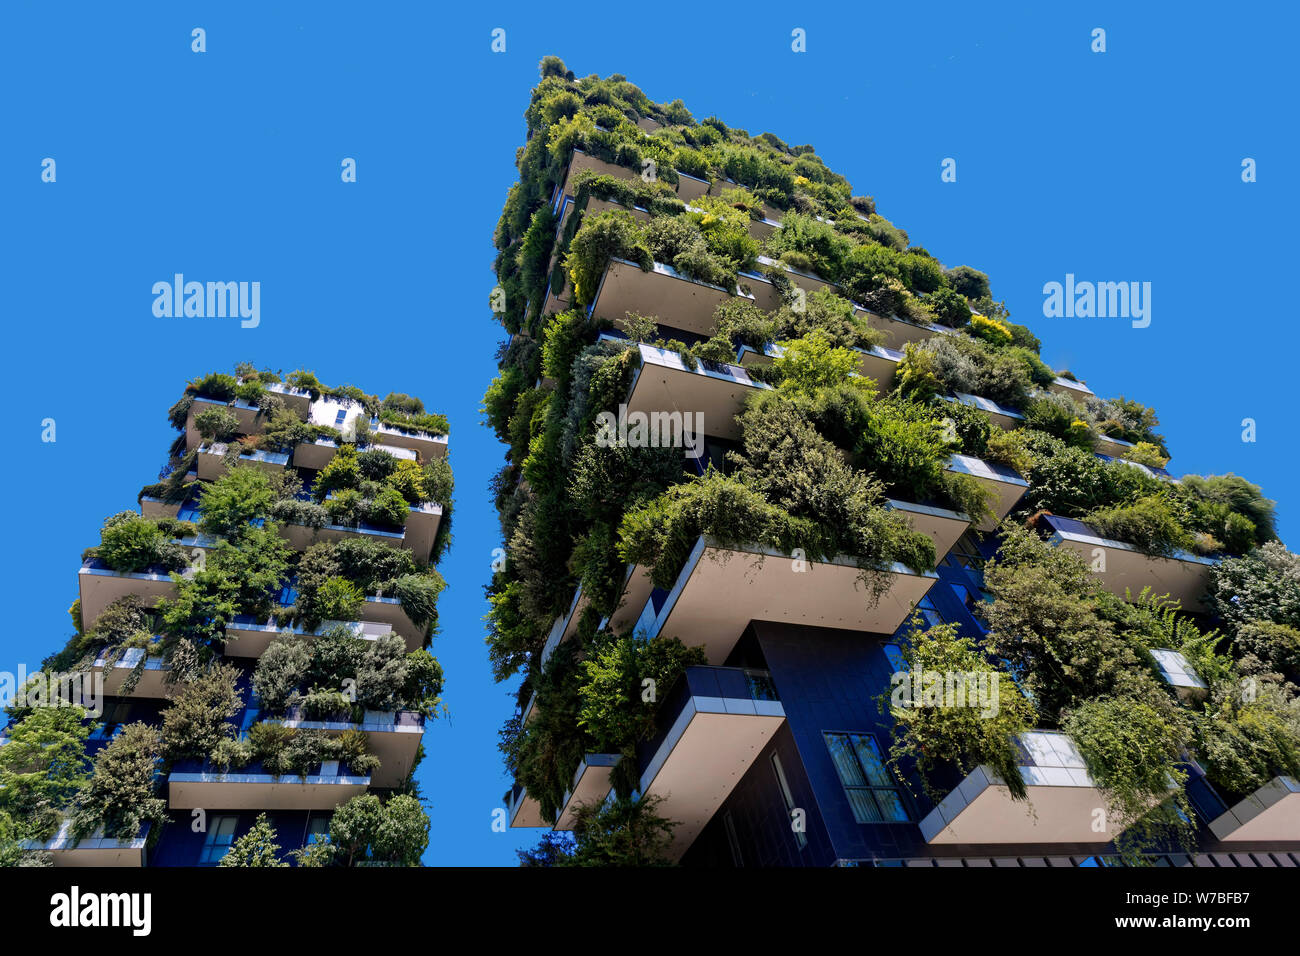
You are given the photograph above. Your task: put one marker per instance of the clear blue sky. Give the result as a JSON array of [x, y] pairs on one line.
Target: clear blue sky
[[225, 166]]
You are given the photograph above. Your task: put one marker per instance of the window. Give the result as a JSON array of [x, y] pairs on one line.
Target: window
[[800, 837], [338, 419], [895, 654], [929, 613], [871, 791], [318, 830], [732, 839], [220, 835], [966, 554]]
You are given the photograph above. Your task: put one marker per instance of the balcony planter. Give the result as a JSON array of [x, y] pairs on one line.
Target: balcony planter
[[1005, 484], [392, 736], [92, 851], [248, 637], [1270, 813], [591, 785], [665, 385], [722, 588], [712, 726], [1062, 801], [196, 783], [100, 586], [153, 680], [678, 301], [212, 460], [1121, 568]]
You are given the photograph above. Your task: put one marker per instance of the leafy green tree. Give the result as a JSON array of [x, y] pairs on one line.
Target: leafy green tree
[[42, 767], [403, 832], [624, 832], [978, 731], [241, 495], [120, 795], [257, 847], [197, 717]]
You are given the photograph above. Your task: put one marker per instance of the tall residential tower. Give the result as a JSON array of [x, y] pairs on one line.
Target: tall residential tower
[[812, 560], [252, 642]]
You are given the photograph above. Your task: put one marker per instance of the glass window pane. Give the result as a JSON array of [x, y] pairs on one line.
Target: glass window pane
[[891, 805], [846, 765], [868, 752], [864, 806]]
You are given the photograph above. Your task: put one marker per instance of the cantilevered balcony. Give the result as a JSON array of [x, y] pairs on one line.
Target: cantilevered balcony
[[1062, 801], [94, 850], [766, 293], [899, 331], [211, 460], [689, 188], [381, 609], [1068, 386], [1006, 486], [1113, 447], [320, 452], [713, 724], [298, 399], [722, 588], [100, 586], [425, 444], [246, 417], [523, 810], [248, 637], [151, 507], [1179, 674], [591, 785], [392, 736], [943, 525], [1000, 415], [670, 392], [565, 626], [195, 783], [417, 537], [1121, 567], [876, 363], [672, 298], [152, 682], [1271, 813]]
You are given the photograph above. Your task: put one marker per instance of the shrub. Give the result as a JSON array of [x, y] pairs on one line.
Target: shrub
[[338, 599], [1264, 585], [119, 797], [217, 424], [1135, 756], [388, 508], [611, 234], [418, 594], [42, 767], [136, 544], [280, 672], [964, 736], [1147, 523], [242, 495], [197, 716]]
